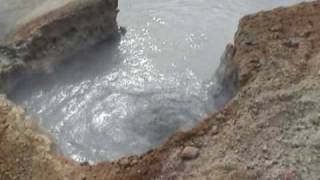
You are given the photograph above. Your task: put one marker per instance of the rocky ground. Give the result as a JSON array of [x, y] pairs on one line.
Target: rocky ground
[[269, 130]]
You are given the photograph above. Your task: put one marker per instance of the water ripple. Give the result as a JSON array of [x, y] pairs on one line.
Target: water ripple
[[124, 99]]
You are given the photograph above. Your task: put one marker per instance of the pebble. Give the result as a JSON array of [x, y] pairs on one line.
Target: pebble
[[133, 162], [83, 177], [214, 130], [123, 30], [189, 153], [86, 163], [305, 33], [124, 161], [276, 28], [270, 163], [292, 43], [265, 148]]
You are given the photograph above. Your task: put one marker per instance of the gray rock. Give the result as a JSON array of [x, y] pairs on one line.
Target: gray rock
[[292, 43], [276, 28], [56, 30], [52, 32]]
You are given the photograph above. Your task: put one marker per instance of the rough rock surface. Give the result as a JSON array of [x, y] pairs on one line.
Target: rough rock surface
[[56, 30], [25, 151], [269, 130]]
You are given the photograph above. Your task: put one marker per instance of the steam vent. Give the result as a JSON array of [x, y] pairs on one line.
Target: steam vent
[[159, 90]]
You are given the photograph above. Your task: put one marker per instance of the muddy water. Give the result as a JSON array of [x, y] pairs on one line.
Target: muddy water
[[122, 99]]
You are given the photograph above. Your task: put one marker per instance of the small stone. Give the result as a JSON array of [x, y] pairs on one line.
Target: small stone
[[133, 162], [270, 163], [249, 43], [214, 130], [295, 145], [83, 177], [123, 30], [265, 148], [124, 161], [252, 165], [276, 28], [85, 163], [189, 153], [238, 138], [292, 43], [260, 125], [305, 33]]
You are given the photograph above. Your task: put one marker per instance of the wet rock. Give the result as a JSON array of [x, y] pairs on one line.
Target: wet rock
[[123, 30], [226, 77], [86, 163], [55, 31], [52, 33], [189, 153]]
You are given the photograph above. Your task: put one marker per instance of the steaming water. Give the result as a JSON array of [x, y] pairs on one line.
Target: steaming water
[[121, 99]]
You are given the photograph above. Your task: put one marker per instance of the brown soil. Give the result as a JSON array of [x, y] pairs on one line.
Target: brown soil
[[269, 130]]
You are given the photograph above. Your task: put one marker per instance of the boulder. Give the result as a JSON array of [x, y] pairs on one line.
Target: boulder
[[57, 29]]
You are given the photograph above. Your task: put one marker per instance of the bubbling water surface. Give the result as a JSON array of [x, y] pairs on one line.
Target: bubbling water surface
[[122, 99]]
